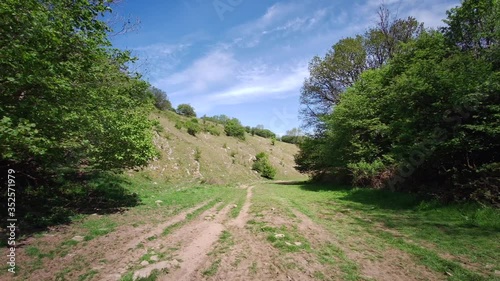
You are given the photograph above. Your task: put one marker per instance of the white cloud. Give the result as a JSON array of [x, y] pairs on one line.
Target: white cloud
[[261, 82], [160, 58], [214, 68]]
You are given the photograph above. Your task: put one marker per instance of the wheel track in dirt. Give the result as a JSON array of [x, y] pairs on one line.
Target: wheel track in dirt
[[119, 260], [250, 258], [200, 235], [394, 264], [113, 247]]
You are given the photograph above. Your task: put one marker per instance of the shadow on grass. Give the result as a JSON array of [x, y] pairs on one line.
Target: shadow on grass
[[38, 208]]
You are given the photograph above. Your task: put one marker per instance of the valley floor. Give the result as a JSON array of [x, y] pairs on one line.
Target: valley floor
[[265, 231]]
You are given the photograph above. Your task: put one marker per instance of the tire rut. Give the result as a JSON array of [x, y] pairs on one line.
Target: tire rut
[[390, 264], [196, 240], [250, 258], [118, 261]]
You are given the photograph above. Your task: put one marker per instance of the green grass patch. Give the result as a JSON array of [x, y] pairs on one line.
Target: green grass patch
[[212, 270], [98, 227], [468, 231], [239, 204], [87, 276], [286, 243]]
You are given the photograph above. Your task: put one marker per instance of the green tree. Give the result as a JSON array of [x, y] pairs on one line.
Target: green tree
[[427, 120], [329, 77], [161, 100], [69, 101], [474, 25], [233, 128], [263, 166], [186, 110]]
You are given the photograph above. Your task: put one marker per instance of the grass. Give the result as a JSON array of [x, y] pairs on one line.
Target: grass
[[286, 243], [87, 276], [96, 227], [189, 217], [212, 270], [426, 230], [253, 268], [239, 204], [152, 277], [224, 244]]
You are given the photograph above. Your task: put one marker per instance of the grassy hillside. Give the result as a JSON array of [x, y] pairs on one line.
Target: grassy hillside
[[210, 158]]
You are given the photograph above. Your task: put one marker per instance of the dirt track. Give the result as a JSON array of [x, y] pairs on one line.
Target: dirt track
[[269, 239]]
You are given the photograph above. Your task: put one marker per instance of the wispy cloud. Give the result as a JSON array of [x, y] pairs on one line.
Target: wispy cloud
[[211, 70], [264, 83], [160, 58]]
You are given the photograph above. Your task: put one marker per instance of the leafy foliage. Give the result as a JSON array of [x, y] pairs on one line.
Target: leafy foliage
[[70, 107], [263, 166], [193, 128], [161, 100], [261, 132], [233, 128], [186, 110], [293, 136], [428, 120], [68, 99], [343, 64]]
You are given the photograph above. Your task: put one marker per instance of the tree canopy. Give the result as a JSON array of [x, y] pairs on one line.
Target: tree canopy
[[161, 100], [186, 110], [428, 119], [68, 99], [346, 60]]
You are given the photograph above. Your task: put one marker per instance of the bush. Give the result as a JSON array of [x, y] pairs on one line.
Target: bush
[[192, 128], [211, 129], [233, 128], [263, 166], [161, 100], [197, 154], [186, 110], [265, 133]]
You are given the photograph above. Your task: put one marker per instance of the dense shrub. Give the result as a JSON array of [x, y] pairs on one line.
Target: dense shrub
[[186, 110], [263, 166], [233, 128]]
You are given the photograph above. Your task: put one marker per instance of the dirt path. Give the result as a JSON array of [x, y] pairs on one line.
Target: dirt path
[[117, 249], [271, 238], [196, 240], [121, 258], [390, 264]]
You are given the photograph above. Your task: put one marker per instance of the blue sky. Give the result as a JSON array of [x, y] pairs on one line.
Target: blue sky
[[247, 58]]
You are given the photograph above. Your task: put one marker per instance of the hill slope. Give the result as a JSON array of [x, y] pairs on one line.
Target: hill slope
[[221, 159]]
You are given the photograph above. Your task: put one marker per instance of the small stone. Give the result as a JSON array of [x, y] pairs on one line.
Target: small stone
[[298, 244], [235, 206], [279, 235], [78, 238], [175, 263], [144, 263], [158, 202], [154, 258], [272, 209], [288, 243]]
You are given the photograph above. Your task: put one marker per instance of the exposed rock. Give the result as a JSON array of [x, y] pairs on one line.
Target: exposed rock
[[78, 238]]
